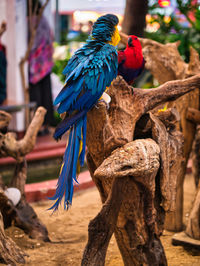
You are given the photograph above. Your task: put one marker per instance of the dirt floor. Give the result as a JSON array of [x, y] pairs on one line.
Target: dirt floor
[[68, 232]]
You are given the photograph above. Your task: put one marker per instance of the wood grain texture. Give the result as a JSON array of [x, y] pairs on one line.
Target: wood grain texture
[[165, 63], [133, 157]]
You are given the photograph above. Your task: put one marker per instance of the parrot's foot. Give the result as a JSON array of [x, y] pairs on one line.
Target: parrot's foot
[[106, 103], [105, 98]]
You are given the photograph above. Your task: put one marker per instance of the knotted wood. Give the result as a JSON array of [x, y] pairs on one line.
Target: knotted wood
[[136, 193], [17, 149], [165, 63], [170, 66]]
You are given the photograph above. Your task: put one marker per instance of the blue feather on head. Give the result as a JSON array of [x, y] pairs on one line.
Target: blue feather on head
[[104, 27]]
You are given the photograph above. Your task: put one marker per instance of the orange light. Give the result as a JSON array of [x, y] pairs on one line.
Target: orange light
[[164, 3]]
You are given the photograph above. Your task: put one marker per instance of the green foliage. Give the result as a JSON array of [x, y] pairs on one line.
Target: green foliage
[[172, 30], [58, 68], [81, 37]]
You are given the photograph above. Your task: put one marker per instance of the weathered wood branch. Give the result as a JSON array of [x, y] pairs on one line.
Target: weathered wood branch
[[102, 226], [4, 120], [171, 89], [132, 167], [23, 214], [131, 105], [19, 148], [193, 115], [138, 227], [170, 66]]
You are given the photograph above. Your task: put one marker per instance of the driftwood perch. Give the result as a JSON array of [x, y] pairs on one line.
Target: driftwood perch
[[136, 192], [125, 167], [193, 115], [170, 66], [19, 148], [21, 215]]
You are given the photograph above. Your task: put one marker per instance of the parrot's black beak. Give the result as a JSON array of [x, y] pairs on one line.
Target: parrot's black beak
[[130, 42]]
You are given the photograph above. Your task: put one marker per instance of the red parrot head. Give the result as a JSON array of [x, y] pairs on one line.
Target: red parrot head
[[130, 60], [133, 41]]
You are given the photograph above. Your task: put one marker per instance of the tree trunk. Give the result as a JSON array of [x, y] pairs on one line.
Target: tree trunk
[[135, 17], [135, 194]]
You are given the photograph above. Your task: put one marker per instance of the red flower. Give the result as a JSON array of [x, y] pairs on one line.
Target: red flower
[[164, 3]]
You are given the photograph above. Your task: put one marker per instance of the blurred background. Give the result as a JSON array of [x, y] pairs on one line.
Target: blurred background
[[71, 22], [37, 38]]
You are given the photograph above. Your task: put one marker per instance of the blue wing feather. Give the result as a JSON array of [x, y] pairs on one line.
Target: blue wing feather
[[66, 104], [91, 71]]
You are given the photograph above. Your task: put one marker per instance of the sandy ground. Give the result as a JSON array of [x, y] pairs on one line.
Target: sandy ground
[[68, 232]]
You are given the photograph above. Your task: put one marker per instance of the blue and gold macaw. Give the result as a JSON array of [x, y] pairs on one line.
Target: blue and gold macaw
[[90, 70]]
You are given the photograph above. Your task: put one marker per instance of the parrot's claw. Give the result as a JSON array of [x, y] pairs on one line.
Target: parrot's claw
[[106, 103]]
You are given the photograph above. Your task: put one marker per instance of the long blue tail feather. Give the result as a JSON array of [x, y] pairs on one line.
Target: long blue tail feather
[[66, 123], [65, 170], [72, 154]]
